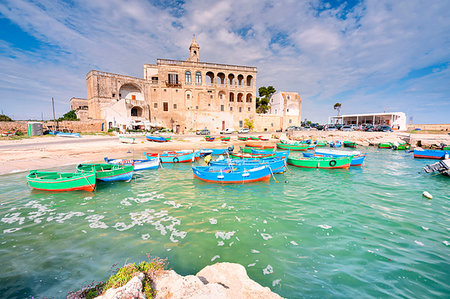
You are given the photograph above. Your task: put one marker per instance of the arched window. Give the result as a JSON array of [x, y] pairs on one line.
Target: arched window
[[187, 77], [198, 78]]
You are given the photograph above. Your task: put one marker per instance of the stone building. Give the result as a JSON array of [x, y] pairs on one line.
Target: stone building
[[180, 95], [81, 107]]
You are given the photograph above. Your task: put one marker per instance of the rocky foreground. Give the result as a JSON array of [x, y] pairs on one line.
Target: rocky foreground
[[221, 280]]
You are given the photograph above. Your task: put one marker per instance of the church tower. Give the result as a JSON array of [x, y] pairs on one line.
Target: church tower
[[194, 48]]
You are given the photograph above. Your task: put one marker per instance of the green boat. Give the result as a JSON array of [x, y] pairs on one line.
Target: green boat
[[350, 144], [248, 149], [225, 138], [293, 147], [446, 148], [402, 146], [61, 181], [243, 138], [253, 138], [321, 162], [385, 145], [321, 143], [252, 156], [108, 172]]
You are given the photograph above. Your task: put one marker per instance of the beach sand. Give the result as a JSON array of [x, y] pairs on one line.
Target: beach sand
[[46, 152]]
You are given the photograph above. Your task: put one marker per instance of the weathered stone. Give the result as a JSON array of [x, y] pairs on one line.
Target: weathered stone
[[133, 289]]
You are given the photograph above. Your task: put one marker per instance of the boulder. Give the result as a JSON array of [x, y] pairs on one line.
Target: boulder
[[133, 289]]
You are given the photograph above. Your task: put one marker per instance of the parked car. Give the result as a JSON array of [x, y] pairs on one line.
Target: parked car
[[369, 128], [355, 127], [339, 126], [293, 128], [347, 128], [203, 132], [384, 129], [227, 131], [243, 131], [320, 127], [331, 128]]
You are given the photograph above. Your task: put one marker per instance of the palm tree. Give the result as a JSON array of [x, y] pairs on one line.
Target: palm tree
[[337, 107]]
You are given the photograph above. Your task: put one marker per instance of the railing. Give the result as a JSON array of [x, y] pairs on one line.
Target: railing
[[207, 65], [172, 84]]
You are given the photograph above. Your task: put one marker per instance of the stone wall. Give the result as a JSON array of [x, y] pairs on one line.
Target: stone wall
[[75, 126], [13, 126], [430, 127]]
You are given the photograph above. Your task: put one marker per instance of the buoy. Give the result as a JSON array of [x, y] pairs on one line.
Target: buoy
[[427, 195]]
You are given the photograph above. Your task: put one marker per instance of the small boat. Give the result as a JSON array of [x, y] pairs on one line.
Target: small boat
[[209, 138], [157, 138], [259, 145], [63, 134], [243, 138], [61, 181], [335, 143], [385, 145], [126, 139], [350, 144], [277, 164], [225, 138], [216, 151], [357, 160], [260, 151], [252, 156], [401, 146], [254, 138], [321, 162], [237, 174], [138, 164], [430, 154], [442, 167], [321, 143], [248, 149], [262, 138], [293, 146], [175, 156], [108, 172]]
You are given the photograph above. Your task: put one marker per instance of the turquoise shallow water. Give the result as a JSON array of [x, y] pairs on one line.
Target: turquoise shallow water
[[363, 232]]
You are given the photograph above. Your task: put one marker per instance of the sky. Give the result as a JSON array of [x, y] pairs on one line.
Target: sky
[[370, 56]]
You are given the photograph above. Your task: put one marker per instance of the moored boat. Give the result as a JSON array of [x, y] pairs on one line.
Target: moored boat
[[277, 163], [61, 181], [64, 134], [442, 167], [253, 138], [138, 164], [294, 147], [243, 138], [385, 145], [126, 139], [321, 162], [216, 151], [350, 144], [237, 174], [430, 154], [251, 156], [357, 160], [260, 145], [335, 143], [108, 172], [248, 149], [401, 146], [262, 138], [225, 138], [175, 156], [209, 138], [157, 138], [321, 143]]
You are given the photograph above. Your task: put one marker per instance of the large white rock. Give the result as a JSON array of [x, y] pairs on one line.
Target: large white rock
[[133, 289]]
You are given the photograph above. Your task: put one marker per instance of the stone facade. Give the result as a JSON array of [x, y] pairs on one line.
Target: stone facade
[[81, 108], [180, 95]]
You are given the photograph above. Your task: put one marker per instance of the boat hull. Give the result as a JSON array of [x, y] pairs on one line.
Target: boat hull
[[357, 160], [430, 154], [108, 172], [175, 157], [323, 163], [226, 175], [139, 165], [157, 138], [293, 147], [39, 180]]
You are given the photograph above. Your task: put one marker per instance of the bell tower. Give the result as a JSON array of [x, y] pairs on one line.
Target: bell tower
[[194, 49]]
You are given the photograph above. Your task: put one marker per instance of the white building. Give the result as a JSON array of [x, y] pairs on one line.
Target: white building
[[396, 120]]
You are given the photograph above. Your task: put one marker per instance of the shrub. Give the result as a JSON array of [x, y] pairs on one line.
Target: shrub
[[5, 118]]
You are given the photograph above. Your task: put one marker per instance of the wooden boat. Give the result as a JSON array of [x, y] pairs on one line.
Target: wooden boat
[[293, 147], [61, 181], [108, 172], [321, 162], [251, 156], [139, 165], [446, 147], [350, 144], [225, 138], [401, 146], [157, 138], [335, 143], [175, 156], [237, 174], [126, 139], [262, 138], [248, 150], [253, 138], [442, 167], [216, 151], [430, 154], [209, 138], [277, 164], [260, 145], [357, 160], [63, 134], [243, 138], [321, 143], [385, 145]]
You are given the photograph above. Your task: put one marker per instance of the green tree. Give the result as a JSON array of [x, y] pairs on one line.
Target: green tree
[[337, 107], [250, 124], [262, 102], [5, 118], [71, 115]]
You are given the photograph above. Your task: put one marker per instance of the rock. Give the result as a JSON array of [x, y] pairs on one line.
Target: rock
[[222, 280], [133, 289]]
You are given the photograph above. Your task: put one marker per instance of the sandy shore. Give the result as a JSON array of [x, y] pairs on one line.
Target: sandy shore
[[49, 151]]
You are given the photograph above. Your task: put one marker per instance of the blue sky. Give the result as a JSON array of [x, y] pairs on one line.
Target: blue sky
[[371, 56]]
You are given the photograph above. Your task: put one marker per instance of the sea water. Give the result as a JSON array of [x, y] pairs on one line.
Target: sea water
[[308, 233]]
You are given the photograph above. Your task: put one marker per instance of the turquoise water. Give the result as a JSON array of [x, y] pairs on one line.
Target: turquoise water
[[363, 232]]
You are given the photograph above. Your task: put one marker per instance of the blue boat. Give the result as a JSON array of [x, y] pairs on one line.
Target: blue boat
[[430, 154], [216, 151], [237, 174], [335, 143], [157, 138], [357, 160], [277, 164], [261, 152], [63, 134], [175, 157], [108, 172], [138, 164]]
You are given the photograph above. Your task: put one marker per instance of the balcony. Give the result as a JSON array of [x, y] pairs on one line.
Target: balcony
[[172, 84]]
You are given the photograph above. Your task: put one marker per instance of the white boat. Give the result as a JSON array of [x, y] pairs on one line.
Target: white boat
[[126, 139], [337, 152], [138, 164]]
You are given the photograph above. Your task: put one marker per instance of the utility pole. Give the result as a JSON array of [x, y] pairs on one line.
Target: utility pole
[[54, 118]]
